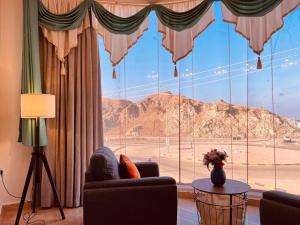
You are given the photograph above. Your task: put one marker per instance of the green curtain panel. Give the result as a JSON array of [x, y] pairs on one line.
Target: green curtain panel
[[251, 8], [31, 74], [63, 22], [181, 20], [120, 25]]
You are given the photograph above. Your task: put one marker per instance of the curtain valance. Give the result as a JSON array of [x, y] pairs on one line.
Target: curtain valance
[[173, 21], [120, 25]]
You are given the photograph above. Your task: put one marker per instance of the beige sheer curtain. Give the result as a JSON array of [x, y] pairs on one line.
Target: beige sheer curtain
[[180, 44], [118, 45], [258, 30], [77, 129]]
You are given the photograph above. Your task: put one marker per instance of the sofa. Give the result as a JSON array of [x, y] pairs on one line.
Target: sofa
[[279, 208], [111, 198]]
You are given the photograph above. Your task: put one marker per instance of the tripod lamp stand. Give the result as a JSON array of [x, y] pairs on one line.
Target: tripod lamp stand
[[37, 106]]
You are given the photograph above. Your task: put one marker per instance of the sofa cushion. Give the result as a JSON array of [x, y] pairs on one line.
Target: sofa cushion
[[132, 170], [104, 164]]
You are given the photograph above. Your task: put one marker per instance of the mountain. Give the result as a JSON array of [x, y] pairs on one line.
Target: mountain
[[159, 115]]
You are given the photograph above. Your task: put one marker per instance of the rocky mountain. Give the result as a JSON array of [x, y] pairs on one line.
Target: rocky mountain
[[159, 115]]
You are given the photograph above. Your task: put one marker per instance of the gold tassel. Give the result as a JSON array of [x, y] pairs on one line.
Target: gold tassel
[[63, 68], [259, 63], [114, 75], [175, 71]]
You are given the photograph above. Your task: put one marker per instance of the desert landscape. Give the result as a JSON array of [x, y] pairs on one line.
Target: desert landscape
[[263, 148]]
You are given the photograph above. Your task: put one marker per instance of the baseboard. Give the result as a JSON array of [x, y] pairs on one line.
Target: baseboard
[[13, 207]]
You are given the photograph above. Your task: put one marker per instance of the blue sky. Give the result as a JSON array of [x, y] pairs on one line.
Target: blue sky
[[205, 72]]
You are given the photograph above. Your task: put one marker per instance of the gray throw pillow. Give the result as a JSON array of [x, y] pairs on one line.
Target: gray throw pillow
[[104, 164]]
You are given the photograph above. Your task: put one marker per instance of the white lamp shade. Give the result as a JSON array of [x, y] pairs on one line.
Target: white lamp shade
[[37, 105]]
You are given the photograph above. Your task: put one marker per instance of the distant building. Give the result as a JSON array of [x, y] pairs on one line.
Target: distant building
[[293, 122], [298, 123]]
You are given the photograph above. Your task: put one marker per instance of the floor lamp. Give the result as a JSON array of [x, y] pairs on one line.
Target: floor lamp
[[37, 106]]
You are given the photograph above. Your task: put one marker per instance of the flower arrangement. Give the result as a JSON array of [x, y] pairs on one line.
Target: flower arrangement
[[215, 157]]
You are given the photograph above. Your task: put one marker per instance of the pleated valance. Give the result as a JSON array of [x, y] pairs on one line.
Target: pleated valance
[[122, 23]]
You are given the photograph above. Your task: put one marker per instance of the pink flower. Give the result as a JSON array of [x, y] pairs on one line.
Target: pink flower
[[215, 157], [212, 156]]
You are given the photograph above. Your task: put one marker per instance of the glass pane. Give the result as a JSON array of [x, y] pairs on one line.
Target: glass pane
[[260, 126], [112, 93], [240, 68], [188, 114], [220, 100], [287, 105], [212, 91]]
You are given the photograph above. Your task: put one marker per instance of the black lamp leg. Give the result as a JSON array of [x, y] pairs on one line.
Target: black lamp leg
[[36, 150], [44, 160], [36, 182], [27, 181]]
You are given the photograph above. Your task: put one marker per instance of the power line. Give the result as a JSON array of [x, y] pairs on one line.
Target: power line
[[221, 67], [174, 82], [197, 84]]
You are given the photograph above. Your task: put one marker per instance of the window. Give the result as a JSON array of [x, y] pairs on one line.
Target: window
[[224, 102]]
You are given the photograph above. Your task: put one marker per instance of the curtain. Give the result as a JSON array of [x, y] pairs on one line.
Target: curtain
[[119, 44], [258, 30], [31, 74], [77, 129], [181, 43]]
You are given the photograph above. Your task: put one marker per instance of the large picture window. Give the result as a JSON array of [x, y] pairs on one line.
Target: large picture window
[[219, 100]]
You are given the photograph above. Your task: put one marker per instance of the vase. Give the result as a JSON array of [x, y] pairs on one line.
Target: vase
[[218, 176]]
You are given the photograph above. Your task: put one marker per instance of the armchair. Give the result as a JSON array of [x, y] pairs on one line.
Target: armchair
[[151, 200], [279, 208]]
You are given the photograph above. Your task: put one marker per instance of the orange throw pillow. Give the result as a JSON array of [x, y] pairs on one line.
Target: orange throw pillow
[[133, 172]]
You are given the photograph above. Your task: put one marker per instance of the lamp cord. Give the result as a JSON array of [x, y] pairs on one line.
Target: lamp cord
[[27, 217], [7, 189]]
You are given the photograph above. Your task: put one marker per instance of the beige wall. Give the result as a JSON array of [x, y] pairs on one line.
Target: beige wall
[[14, 158]]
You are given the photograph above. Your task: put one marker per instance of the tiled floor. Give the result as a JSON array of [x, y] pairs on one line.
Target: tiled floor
[[187, 215]]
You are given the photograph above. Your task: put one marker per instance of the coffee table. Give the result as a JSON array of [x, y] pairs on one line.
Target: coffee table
[[218, 203]]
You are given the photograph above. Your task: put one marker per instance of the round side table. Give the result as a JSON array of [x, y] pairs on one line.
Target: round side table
[[221, 205]]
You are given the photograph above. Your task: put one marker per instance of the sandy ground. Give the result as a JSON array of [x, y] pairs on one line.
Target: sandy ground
[[261, 171]]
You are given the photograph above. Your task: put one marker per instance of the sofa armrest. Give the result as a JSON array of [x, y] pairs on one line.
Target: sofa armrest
[[147, 181], [148, 169], [88, 176], [283, 198]]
